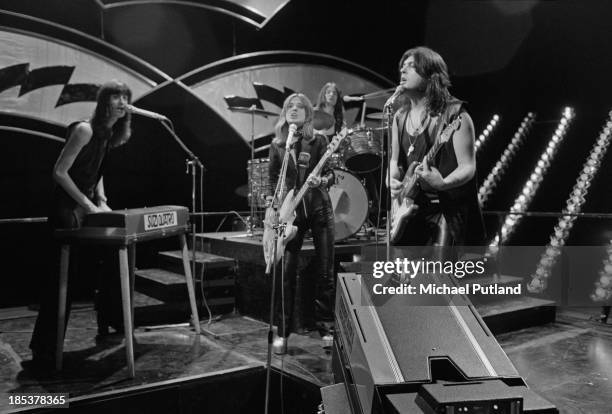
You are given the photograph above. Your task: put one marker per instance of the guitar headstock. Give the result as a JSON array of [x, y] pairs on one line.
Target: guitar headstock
[[450, 128], [337, 139]]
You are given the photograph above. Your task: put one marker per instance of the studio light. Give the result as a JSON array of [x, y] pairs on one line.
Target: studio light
[[577, 198], [500, 167]]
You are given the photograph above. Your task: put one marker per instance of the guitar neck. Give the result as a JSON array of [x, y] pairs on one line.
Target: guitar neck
[[433, 151], [316, 170], [409, 181]]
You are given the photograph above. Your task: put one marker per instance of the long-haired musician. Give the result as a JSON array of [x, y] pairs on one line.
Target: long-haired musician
[[449, 213], [314, 212], [329, 101], [79, 190]]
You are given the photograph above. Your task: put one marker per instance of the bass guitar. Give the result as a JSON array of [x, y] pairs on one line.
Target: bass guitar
[[285, 217], [403, 207]]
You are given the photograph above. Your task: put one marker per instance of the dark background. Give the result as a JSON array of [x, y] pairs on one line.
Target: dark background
[[505, 57]]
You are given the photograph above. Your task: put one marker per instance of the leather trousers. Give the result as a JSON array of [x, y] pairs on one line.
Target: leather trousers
[[321, 223]]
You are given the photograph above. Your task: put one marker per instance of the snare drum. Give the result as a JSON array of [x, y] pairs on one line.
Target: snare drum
[[350, 203], [259, 177], [364, 151]]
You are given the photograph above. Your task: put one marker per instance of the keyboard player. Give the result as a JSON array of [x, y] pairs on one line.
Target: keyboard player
[[79, 190]]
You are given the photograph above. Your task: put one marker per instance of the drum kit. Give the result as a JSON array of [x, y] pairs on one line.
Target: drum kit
[[360, 155]]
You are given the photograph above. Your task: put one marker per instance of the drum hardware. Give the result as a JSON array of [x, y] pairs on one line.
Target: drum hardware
[[252, 110], [336, 161], [369, 96]]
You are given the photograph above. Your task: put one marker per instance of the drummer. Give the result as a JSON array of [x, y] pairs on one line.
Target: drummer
[[329, 111]]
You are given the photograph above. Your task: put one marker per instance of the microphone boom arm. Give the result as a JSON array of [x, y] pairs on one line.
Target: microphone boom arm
[[170, 128]]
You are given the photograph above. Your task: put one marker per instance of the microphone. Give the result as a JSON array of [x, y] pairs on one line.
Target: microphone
[[346, 98], [144, 112], [392, 98], [292, 129]]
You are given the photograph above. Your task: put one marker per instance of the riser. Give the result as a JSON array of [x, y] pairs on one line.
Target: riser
[[212, 261], [180, 294], [176, 265], [163, 279], [178, 312], [520, 319]]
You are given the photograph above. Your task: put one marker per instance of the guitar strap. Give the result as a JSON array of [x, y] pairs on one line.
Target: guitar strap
[[401, 120], [293, 156], [449, 114], [279, 192]]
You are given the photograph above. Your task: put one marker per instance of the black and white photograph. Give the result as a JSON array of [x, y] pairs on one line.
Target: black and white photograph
[[306, 206]]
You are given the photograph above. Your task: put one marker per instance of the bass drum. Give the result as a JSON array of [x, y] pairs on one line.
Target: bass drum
[[350, 203]]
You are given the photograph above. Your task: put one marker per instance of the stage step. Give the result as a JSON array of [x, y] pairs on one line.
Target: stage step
[[151, 312], [173, 261], [517, 313], [167, 286]]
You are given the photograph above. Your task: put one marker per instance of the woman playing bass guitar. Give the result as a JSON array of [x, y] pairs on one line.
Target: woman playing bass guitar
[[314, 212]]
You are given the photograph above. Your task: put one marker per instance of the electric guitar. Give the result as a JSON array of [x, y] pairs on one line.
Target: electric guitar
[[403, 207], [286, 214]]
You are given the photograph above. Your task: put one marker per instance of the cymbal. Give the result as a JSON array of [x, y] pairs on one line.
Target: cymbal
[[322, 120], [363, 128], [376, 115], [251, 110]]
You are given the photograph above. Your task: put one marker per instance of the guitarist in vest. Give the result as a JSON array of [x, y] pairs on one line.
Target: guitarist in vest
[[445, 190], [314, 212]]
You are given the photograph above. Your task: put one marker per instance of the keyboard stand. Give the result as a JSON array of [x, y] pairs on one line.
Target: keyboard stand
[[126, 248]]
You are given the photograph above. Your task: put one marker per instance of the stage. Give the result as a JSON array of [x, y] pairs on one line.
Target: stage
[[224, 368], [566, 362]]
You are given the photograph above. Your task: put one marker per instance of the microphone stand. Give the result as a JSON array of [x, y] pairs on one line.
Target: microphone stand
[[363, 112], [388, 113], [279, 231], [192, 164], [250, 232]]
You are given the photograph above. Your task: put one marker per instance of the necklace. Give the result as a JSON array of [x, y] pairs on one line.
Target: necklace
[[416, 131]]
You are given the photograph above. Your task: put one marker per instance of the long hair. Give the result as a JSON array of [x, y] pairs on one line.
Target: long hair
[[338, 107], [281, 129], [431, 67], [122, 130]]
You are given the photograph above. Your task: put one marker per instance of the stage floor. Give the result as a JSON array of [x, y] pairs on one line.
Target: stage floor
[[162, 354], [569, 362]]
